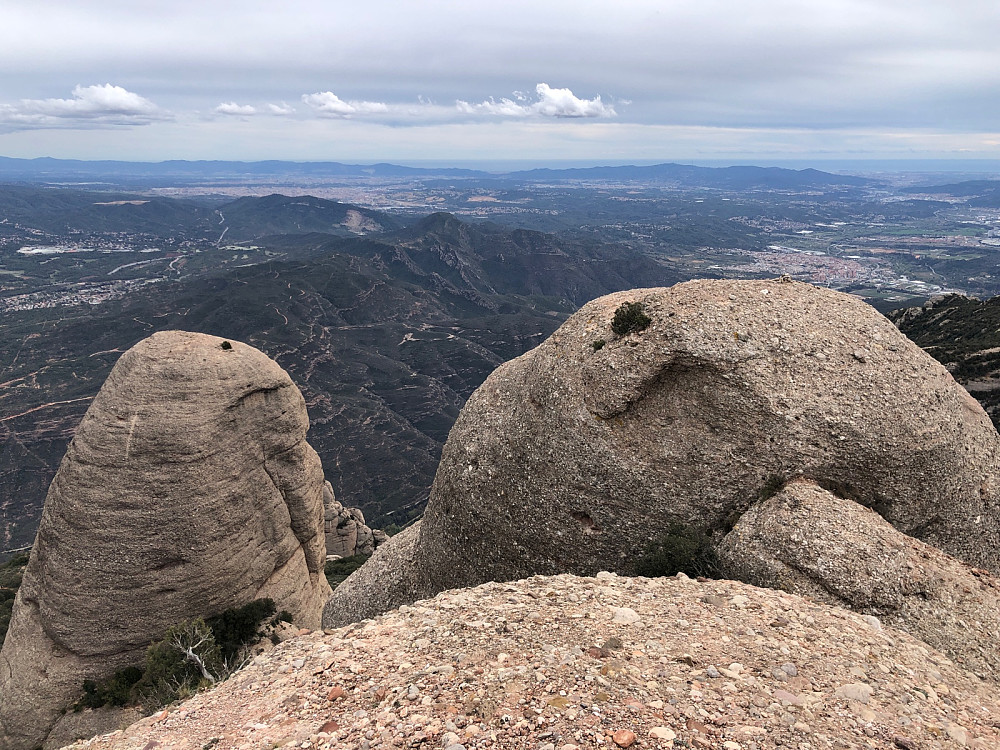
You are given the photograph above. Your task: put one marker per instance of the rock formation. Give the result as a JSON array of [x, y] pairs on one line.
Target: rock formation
[[188, 489], [345, 530], [810, 542], [566, 662], [574, 456]]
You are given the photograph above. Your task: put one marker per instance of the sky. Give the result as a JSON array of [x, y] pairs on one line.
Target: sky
[[448, 81]]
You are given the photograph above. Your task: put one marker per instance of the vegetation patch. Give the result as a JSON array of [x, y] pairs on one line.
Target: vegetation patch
[[193, 654], [630, 318], [598, 344], [235, 628], [338, 570], [682, 549], [10, 581]]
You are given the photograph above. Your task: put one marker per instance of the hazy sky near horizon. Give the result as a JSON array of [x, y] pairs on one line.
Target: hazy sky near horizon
[[448, 80]]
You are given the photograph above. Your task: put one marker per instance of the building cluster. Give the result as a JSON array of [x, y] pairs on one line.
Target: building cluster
[[79, 294]]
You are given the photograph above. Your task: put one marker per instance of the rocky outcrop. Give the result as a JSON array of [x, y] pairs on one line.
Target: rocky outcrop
[[567, 662], [188, 489], [574, 456], [345, 529], [810, 542]]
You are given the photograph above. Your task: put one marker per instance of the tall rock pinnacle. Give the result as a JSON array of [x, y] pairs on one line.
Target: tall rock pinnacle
[[188, 489]]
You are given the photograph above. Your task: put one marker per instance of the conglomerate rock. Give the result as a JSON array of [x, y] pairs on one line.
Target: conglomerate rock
[[576, 455], [566, 662], [188, 489], [810, 542]]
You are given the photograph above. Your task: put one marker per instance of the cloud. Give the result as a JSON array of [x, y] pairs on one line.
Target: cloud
[[89, 107], [232, 108], [547, 102], [550, 103], [247, 110], [328, 103]]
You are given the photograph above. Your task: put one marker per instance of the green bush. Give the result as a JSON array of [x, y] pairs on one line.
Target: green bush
[[169, 674], [682, 549], [630, 318], [235, 628], [113, 691], [598, 344], [338, 570], [193, 654], [12, 570], [10, 581]]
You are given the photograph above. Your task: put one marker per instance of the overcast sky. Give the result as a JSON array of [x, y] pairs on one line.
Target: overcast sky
[[405, 80]]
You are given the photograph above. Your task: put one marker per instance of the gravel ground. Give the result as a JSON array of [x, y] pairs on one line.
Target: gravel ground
[[563, 662]]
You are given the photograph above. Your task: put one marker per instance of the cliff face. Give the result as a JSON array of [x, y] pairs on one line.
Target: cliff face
[[188, 489], [567, 662]]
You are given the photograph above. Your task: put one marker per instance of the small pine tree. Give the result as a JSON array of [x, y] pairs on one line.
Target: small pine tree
[[185, 659], [630, 318]]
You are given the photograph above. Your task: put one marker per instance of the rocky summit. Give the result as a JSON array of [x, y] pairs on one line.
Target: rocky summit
[[581, 453], [188, 489], [565, 663]]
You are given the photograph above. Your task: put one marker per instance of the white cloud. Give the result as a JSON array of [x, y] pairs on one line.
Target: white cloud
[[328, 103], [550, 103], [246, 110], [89, 107], [232, 108]]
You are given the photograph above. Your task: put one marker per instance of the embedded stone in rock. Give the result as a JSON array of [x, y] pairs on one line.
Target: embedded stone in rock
[[188, 489], [808, 541], [573, 458]]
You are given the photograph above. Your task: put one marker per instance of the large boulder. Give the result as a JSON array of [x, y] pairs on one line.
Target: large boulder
[[808, 541], [576, 455], [188, 489]]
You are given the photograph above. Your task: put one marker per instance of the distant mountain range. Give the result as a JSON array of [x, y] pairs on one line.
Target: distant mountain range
[[79, 211], [722, 177], [743, 177], [977, 193]]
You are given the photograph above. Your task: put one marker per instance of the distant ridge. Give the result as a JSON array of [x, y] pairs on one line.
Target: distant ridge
[[687, 175], [63, 210], [732, 177], [49, 167], [977, 193]]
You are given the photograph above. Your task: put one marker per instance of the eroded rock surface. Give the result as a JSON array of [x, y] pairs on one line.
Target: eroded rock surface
[[572, 457], [345, 529], [188, 489], [811, 542]]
